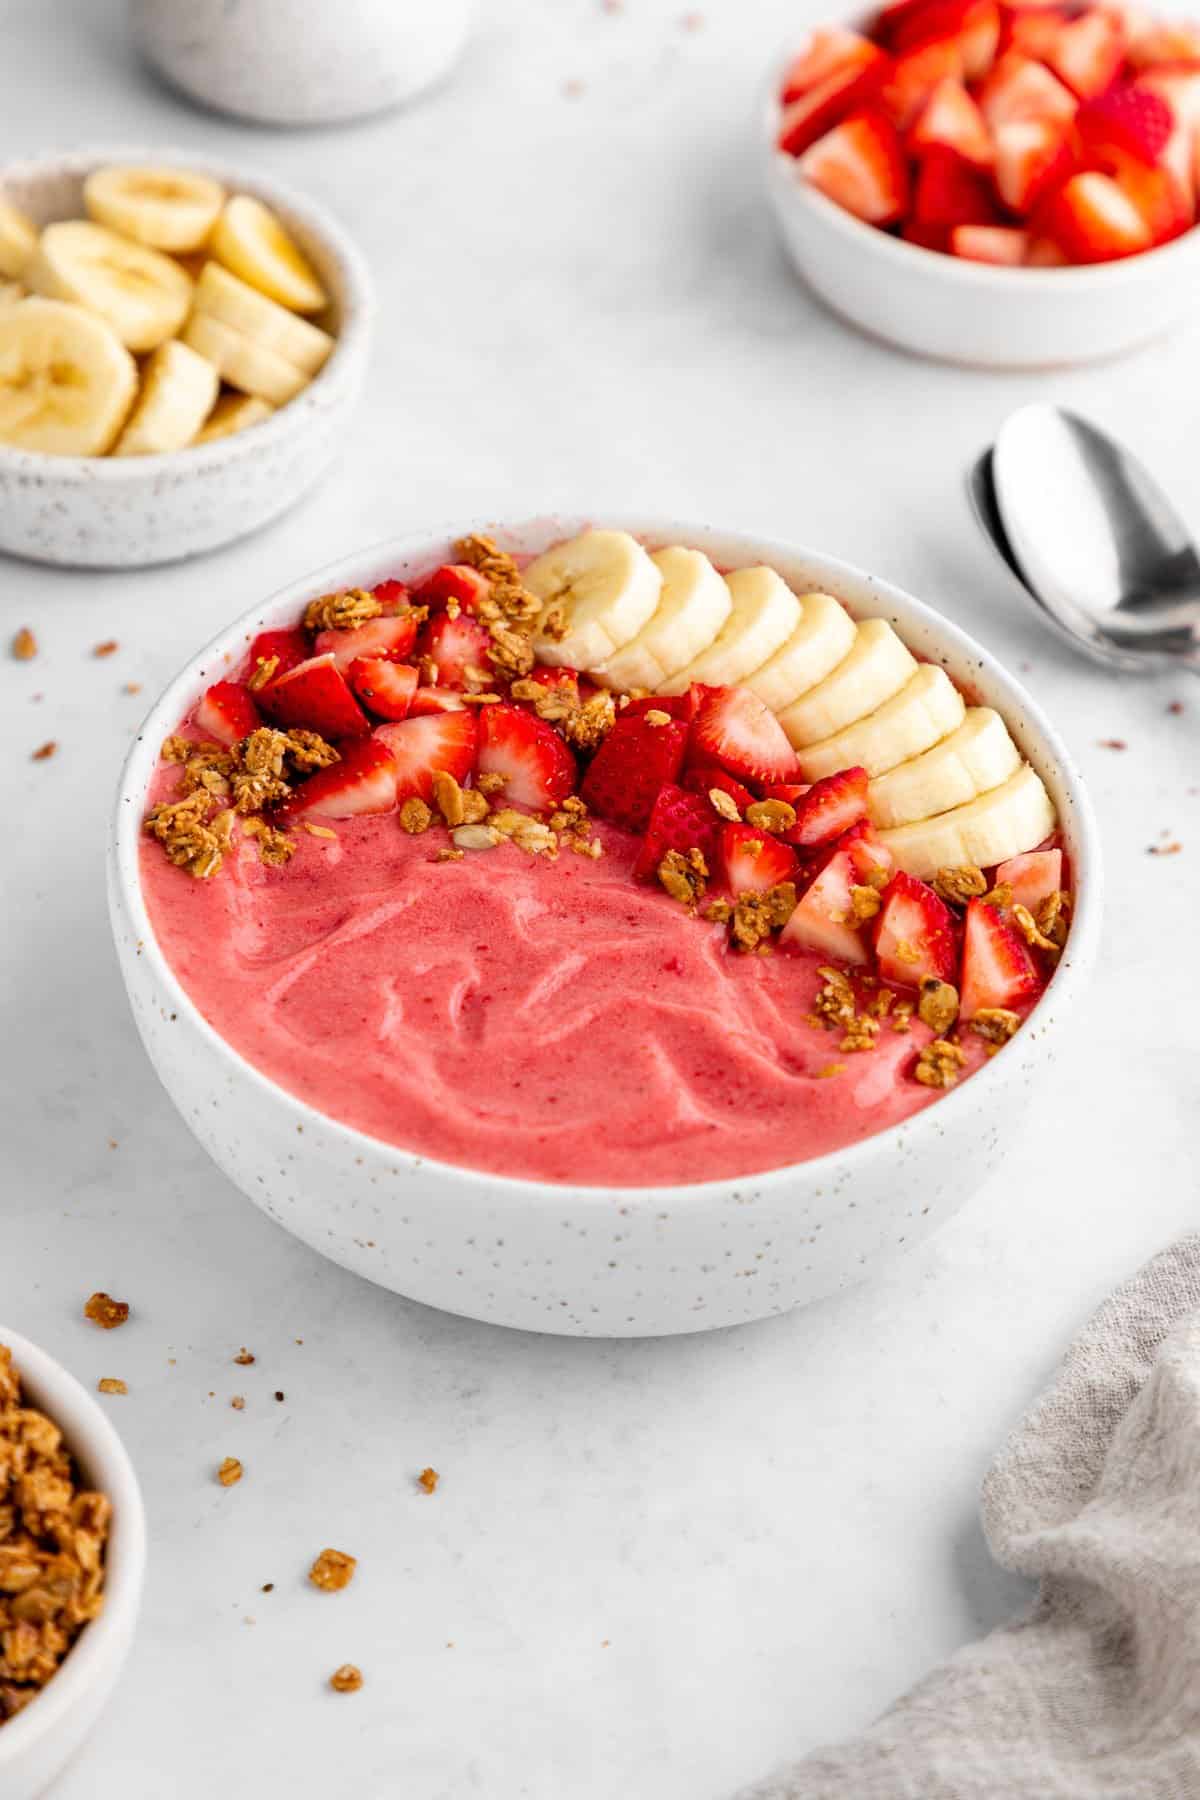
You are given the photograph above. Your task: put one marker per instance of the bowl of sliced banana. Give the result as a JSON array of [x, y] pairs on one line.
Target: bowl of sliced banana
[[180, 351]]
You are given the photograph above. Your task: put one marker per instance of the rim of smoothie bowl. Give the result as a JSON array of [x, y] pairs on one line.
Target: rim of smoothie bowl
[[927, 633]]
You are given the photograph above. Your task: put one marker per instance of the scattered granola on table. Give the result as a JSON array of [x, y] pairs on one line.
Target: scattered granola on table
[[106, 1312], [24, 645], [111, 1384], [333, 1570], [427, 1480], [347, 1679], [230, 1472]]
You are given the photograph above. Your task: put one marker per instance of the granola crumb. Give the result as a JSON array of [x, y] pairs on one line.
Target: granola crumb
[[446, 855], [245, 1357], [995, 1023], [939, 1064], [938, 1004], [344, 611], [131, 687], [24, 645], [275, 847], [230, 1472], [415, 816], [475, 837], [756, 916], [448, 798], [111, 1384], [1169, 849], [108, 648], [427, 1480], [106, 1312], [554, 625], [333, 1570], [45, 751], [1000, 895], [717, 912], [861, 1033], [684, 876], [1032, 932], [191, 839], [321, 831], [902, 1014], [724, 803], [264, 671], [961, 884], [865, 902], [771, 815], [491, 782], [1112, 743], [830, 1070], [238, 1403], [347, 1679], [1176, 707], [654, 715]]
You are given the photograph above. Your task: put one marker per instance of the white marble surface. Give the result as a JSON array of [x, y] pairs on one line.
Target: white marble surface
[[651, 1568]]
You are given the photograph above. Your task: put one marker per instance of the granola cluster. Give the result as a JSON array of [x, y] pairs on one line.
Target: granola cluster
[[344, 611], [217, 786], [509, 611]]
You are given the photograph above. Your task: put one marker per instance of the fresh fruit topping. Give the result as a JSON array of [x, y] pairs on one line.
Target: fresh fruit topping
[[315, 695], [829, 808], [1031, 878], [227, 712], [276, 652], [176, 396], [868, 853], [457, 582], [1130, 117], [950, 120], [915, 76], [949, 193], [251, 241], [1088, 53], [436, 700], [1031, 156], [1001, 245], [393, 636], [391, 594], [860, 165], [597, 591], [66, 384], [702, 778], [1091, 219], [828, 51], [853, 84], [753, 861], [1019, 88], [997, 968], [385, 688], [732, 727], [458, 649], [825, 917], [630, 766], [424, 747], [680, 821], [537, 767], [678, 706], [363, 781], [914, 934]]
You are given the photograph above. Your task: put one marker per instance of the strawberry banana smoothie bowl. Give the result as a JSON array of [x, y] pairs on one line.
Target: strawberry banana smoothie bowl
[[607, 868]]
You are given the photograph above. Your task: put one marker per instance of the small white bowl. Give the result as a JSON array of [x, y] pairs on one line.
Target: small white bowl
[[577, 1260], [130, 511], [42, 1738], [966, 312]]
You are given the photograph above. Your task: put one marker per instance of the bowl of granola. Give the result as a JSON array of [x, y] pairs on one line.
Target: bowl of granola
[[603, 929], [72, 1560]]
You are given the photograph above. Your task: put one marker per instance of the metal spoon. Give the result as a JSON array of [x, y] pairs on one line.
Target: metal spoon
[[1089, 533]]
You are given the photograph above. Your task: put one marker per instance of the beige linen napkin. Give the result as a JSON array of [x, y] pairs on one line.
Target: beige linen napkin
[[1097, 1494]]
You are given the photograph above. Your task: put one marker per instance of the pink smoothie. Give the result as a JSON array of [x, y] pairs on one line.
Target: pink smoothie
[[552, 1020]]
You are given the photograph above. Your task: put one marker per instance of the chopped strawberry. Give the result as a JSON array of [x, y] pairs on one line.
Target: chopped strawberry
[[425, 747], [1164, 41], [1132, 118], [831, 806], [752, 860], [630, 766], [914, 933], [734, 728], [385, 688], [315, 695], [928, 237], [679, 706], [916, 74], [459, 649], [869, 854], [435, 700], [285, 649], [855, 84], [997, 968], [1035, 31], [1019, 88], [538, 768], [391, 594], [948, 193], [950, 119], [829, 51], [679, 821], [702, 778], [453, 581], [393, 635], [823, 919], [1001, 245], [1032, 877], [1032, 155], [1092, 220], [973, 24], [1089, 53], [860, 166], [979, 39], [791, 791], [227, 712], [364, 781], [548, 677], [1043, 254]]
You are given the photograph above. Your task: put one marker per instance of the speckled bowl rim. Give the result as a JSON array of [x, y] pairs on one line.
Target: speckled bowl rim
[[1064, 987], [356, 314], [106, 1465]]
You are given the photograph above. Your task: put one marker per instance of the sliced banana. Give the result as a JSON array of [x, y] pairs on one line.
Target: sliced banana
[[877, 667], [597, 591], [764, 614], [142, 294], [920, 715], [177, 394], [235, 303], [1012, 818], [167, 209], [816, 647], [18, 240], [11, 292], [242, 363], [975, 758], [693, 605], [66, 383], [250, 240], [233, 412]]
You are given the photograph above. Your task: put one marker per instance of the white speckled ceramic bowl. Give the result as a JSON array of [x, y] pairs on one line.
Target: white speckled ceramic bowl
[[592, 1261], [125, 512], [41, 1739]]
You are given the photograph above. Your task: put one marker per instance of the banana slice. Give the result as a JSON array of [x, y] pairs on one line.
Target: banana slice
[[11, 292], [1012, 818], [877, 667], [597, 591], [18, 240], [920, 715], [233, 412], [693, 605], [816, 647], [234, 303], [764, 614], [242, 363], [177, 395], [250, 240], [168, 209], [141, 294], [972, 760], [66, 383]]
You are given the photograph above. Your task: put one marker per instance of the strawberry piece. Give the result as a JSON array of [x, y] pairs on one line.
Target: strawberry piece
[[752, 860], [829, 51], [385, 688], [868, 853], [1131, 118], [997, 968], [830, 807], [1089, 53], [701, 778], [315, 695], [1045, 255], [288, 649], [364, 781], [951, 120], [916, 74], [1019, 88], [1158, 197], [822, 919], [813, 114], [1092, 220], [791, 791], [630, 766], [979, 39], [860, 166], [928, 237], [435, 700], [733, 728], [1032, 877], [391, 594], [453, 581], [1169, 41], [1035, 31], [424, 747], [458, 647], [973, 24], [538, 768], [392, 636], [1001, 245], [679, 706], [949, 193], [227, 712], [679, 821], [914, 934], [1032, 155]]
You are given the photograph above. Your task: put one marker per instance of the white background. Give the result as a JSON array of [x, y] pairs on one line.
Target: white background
[[652, 1568]]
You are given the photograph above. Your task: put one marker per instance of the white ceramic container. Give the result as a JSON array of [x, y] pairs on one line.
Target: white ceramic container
[[966, 312], [590, 1261], [128, 511], [301, 62], [41, 1739]]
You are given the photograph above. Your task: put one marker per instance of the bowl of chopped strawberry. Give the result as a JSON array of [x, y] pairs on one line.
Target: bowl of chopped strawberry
[[993, 183]]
